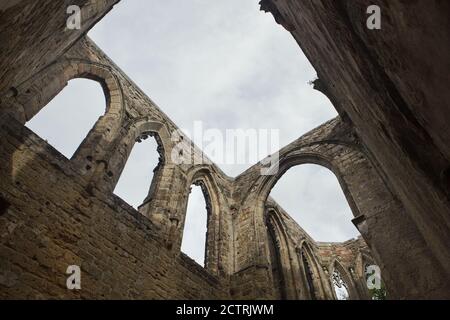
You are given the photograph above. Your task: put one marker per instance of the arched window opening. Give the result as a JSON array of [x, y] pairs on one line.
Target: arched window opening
[[339, 286], [66, 120], [309, 276], [277, 276], [313, 197], [139, 171], [196, 225]]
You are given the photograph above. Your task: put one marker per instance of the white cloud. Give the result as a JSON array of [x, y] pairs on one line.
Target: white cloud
[[311, 194], [136, 178], [67, 119], [194, 234]]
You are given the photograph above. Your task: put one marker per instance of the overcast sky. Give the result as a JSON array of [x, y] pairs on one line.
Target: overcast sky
[[226, 64]]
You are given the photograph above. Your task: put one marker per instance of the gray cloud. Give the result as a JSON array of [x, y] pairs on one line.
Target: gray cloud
[[194, 233], [312, 195], [67, 119], [137, 175]]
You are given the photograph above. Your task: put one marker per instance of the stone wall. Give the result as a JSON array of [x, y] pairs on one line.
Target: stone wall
[[33, 34], [54, 222], [390, 160], [96, 167], [379, 216], [390, 84], [88, 202]]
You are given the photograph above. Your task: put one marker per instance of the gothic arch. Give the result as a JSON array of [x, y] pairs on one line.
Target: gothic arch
[[136, 131], [376, 210], [297, 157], [38, 91], [369, 198], [276, 266], [346, 277], [203, 177], [318, 287], [283, 257], [308, 277], [320, 153], [289, 256], [360, 263], [35, 93]]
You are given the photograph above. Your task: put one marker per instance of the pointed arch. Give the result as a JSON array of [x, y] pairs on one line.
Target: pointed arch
[[194, 241], [363, 260], [138, 175], [315, 285], [279, 289], [333, 146], [298, 157], [286, 255], [136, 131], [35, 93], [204, 177], [336, 269], [301, 190], [308, 276], [67, 119]]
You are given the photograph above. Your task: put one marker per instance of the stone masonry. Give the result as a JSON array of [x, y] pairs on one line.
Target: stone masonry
[[388, 149]]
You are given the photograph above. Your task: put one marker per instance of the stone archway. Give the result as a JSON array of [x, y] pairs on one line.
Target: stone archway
[[379, 216], [39, 90], [339, 277], [216, 250], [135, 131]]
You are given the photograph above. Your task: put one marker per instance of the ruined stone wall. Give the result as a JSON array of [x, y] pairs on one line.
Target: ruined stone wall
[[53, 222], [320, 259], [391, 85], [381, 219], [82, 188], [33, 34], [62, 212], [56, 212], [301, 268], [350, 259]]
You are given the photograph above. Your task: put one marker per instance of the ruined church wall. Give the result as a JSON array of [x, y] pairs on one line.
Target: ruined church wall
[[391, 235], [55, 212], [53, 222], [123, 253], [390, 84]]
